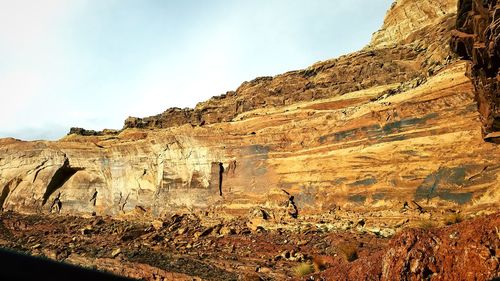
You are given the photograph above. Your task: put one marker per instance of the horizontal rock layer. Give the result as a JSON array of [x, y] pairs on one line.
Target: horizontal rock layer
[[363, 149], [376, 130], [406, 16], [412, 45]]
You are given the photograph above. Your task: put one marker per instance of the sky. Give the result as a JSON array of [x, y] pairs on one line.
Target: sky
[[93, 63]]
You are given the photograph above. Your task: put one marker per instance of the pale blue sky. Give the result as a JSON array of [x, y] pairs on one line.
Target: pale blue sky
[[92, 63]]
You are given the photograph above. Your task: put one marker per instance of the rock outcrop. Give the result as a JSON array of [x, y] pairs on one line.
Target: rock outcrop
[[412, 45], [391, 126], [408, 16], [379, 165], [465, 251], [477, 38], [84, 132]]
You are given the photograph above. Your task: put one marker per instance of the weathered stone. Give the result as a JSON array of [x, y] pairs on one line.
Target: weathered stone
[[255, 223], [157, 224], [302, 243], [361, 222], [477, 38], [116, 252], [444, 253], [265, 270], [225, 230], [86, 230], [393, 123]]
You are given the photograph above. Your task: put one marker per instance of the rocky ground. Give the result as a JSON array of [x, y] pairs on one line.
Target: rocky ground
[[193, 247]]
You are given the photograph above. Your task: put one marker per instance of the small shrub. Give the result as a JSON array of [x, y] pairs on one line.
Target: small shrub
[[303, 269], [427, 224], [349, 250], [453, 219], [321, 263]]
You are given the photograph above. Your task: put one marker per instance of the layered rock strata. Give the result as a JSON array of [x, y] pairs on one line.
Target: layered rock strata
[[412, 45], [392, 127]]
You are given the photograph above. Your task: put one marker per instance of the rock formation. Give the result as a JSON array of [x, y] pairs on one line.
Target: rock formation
[[398, 53], [465, 251], [389, 125], [477, 38], [401, 134]]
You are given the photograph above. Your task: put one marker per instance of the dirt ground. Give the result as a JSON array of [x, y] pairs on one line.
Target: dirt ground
[[185, 247]]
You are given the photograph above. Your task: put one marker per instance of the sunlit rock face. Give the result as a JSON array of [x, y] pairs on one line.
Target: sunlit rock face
[[407, 16], [395, 123]]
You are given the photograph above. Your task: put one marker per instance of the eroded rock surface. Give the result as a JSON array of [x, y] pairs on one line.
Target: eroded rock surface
[[381, 128], [412, 45], [477, 38], [373, 148], [465, 251], [406, 16], [321, 165]]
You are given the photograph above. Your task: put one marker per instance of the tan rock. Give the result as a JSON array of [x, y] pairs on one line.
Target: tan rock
[[116, 252], [367, 130], [408, 16], [255, 223], [226, 230], [265, 270], [181, 231], [157, 224]]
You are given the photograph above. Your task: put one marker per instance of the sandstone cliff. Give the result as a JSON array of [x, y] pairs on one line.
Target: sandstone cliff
[[412, 45], [477, 38], [393, 126]]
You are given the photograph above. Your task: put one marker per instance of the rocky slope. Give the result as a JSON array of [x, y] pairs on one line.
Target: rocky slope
[[465, 251], [189, 247]]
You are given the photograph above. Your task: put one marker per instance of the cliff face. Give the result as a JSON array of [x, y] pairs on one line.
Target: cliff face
[[394, 125], [408, 16], [477, 38], [412, 45]]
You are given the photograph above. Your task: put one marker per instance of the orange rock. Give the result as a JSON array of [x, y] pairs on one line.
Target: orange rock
[[395, 122]]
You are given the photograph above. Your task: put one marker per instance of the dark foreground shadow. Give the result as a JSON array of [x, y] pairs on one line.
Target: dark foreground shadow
[[20, 267]]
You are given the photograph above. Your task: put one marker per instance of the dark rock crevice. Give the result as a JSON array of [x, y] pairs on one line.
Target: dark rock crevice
[[93, 200], [221, 175], [216, 177], [60, 177], [7, 189], [38, 169], [3, 195]]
